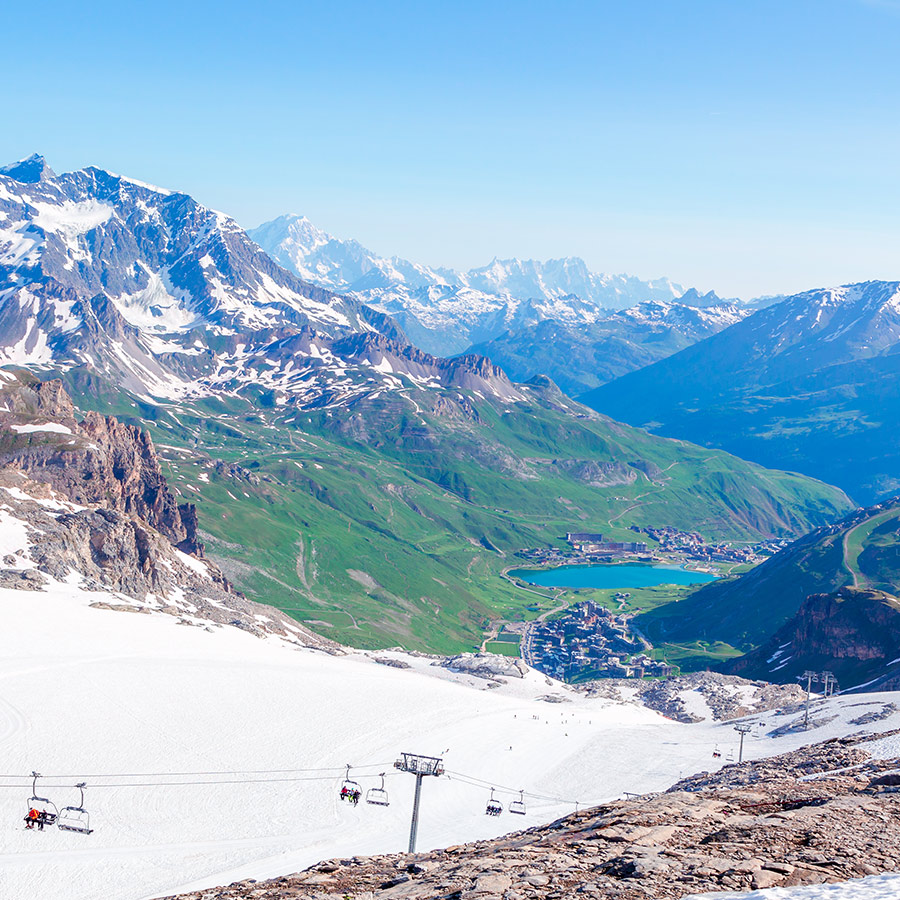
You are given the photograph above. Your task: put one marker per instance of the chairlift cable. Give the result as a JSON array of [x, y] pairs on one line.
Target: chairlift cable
[[201, 774]]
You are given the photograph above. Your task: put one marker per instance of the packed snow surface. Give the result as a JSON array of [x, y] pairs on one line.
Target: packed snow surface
[[54, 427], [875, 887], [212, 755]]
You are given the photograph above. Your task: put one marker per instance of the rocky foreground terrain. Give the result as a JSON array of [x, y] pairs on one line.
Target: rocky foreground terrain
[[825, 813]]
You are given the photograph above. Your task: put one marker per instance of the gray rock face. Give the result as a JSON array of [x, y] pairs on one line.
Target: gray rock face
[[115, 552], [485, 665], [98, 461], [726, 696], [739, 833], [29, 171]]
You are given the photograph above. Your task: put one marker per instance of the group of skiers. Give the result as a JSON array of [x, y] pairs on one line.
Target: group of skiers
[[351, 794], [38, 817]]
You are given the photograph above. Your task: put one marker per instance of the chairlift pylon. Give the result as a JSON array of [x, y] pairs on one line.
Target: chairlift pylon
[[75, 818], [518, 806], [41, 811], [494, 807], [350, 790], [378, 795]]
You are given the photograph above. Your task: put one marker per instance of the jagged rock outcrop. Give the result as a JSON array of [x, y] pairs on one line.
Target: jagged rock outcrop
[[131, 566], [853, 633], [756, 825], [485, 665], [98, 461], [725, 696]]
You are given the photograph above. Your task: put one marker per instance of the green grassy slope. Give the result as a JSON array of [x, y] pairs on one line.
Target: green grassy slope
[[390, 523], [744, 611]]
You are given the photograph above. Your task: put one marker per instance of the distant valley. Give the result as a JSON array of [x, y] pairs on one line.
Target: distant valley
[[808, 384], [370, 489]]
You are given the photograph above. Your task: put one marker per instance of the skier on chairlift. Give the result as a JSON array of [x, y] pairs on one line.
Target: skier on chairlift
[[34, 817]]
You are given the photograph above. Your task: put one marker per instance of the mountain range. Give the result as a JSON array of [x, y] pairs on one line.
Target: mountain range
[[579, 357], [444, 311], [347, 476], [809, 384]]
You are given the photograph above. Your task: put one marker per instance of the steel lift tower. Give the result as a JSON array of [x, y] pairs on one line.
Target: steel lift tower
[[420, 766]]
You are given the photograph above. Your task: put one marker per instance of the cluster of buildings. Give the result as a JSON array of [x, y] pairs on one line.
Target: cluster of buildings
[[690, 545], [670, 544], [591, 544], [589, 642]]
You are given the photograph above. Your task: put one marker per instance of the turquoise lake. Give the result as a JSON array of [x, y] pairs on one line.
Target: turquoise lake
[[614, 577]]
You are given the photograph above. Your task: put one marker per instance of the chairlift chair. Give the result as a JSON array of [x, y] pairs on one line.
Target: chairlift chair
[[518, 806], [378, 795], [730, 757], [350, 789], [717, 753], [75, 818], [47, 809], [494, 807]]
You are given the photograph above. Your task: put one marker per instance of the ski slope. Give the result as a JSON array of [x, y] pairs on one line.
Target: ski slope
[[126, 701]]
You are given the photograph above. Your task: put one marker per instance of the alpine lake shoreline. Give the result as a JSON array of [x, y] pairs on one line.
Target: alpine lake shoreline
[[557, 604]]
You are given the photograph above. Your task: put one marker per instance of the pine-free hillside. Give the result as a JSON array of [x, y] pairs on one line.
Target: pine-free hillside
[[364, 486], [861, 551], [584, 356], [809, 384]]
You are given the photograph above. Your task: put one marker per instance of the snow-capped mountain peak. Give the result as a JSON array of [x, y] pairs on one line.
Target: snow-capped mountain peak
[[102, 270], [171, 300], [30, 170], [445, 311]]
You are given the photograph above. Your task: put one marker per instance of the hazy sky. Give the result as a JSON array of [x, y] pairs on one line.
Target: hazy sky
[[743, 145]]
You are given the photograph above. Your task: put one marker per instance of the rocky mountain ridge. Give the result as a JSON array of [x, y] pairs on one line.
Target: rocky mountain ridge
[[98, 461], [146, 286], [853, 633]]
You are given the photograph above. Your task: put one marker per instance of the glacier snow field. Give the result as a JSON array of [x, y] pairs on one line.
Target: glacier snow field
[[212, 755]]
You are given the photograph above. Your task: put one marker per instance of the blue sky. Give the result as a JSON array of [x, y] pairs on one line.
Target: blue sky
[[746, 146]]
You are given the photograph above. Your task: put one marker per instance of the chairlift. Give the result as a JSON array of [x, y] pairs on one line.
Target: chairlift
[[730, 756], [494, 807], [75, 818], [378, 795], [717, 753], [518, 806], [350, 790], [47, 812]]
